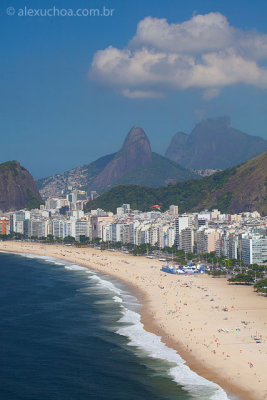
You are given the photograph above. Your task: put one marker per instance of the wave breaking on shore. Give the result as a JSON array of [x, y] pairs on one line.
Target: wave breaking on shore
[[151, 345]]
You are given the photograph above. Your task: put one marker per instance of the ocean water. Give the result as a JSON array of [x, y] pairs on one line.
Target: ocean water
[[67, 333]]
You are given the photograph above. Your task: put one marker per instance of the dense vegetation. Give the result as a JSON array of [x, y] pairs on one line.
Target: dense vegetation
[[187, 194], [242, 278], [237, 189], [261, 286], [10, 166], [33, 200]]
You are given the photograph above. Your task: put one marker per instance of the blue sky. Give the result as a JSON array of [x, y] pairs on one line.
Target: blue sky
[[55, 116]]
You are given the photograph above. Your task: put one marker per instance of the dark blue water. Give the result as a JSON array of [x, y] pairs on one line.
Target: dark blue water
[[58, 339]]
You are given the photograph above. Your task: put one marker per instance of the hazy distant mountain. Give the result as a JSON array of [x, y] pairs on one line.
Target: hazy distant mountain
[[213, 143], [17, 188], [134, 163], [237, 189]]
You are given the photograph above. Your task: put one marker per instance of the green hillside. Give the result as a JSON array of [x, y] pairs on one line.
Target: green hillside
[[240, 188]]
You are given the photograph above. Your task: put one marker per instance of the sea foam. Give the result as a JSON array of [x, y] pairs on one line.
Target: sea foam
[[152, 345], [103, 283], [74, 267], [117, 299]]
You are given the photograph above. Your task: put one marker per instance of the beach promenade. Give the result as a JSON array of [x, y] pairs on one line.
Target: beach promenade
[[219, 329]]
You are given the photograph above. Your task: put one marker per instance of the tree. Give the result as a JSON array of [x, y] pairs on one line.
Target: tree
[[261, 286], [241, 278], [69, 239]]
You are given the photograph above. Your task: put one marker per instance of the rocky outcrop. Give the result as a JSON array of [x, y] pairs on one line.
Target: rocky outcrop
[[17, 187]]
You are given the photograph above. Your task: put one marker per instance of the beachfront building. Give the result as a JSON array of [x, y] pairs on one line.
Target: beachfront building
[[106, 233], [17, 221], [254, 250], [170, 236], [128, 233], [182, 222], [58, 229], [228, 244], [233, 246], [38, 228], [187, 240], [166, 235], [232, 236], [206, 240], [4, 226], [82, 228], [98, 219]]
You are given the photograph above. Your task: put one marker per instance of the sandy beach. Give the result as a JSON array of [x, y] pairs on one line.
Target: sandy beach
[[211, 324]]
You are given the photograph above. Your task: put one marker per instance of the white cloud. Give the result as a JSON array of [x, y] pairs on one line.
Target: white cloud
[[142, 94], [201, 33], [204, 52]]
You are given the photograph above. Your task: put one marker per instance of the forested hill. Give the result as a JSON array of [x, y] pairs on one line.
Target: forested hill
[[237, 189]]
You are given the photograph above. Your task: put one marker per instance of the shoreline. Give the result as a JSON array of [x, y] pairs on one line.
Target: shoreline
[[161, 323]]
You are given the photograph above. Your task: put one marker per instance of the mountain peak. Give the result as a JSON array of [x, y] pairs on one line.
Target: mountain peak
[[213, 143], [135, 153], [135, 135]]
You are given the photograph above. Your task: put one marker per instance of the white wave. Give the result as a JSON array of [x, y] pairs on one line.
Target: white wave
[[103, 283], [129, 300], [117, 299], [39, 257], [53, 260], [74, 267], [95, 277], [152, 345]]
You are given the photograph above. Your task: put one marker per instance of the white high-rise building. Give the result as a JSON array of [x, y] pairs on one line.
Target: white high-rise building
[[181, 223], [254, 250]]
